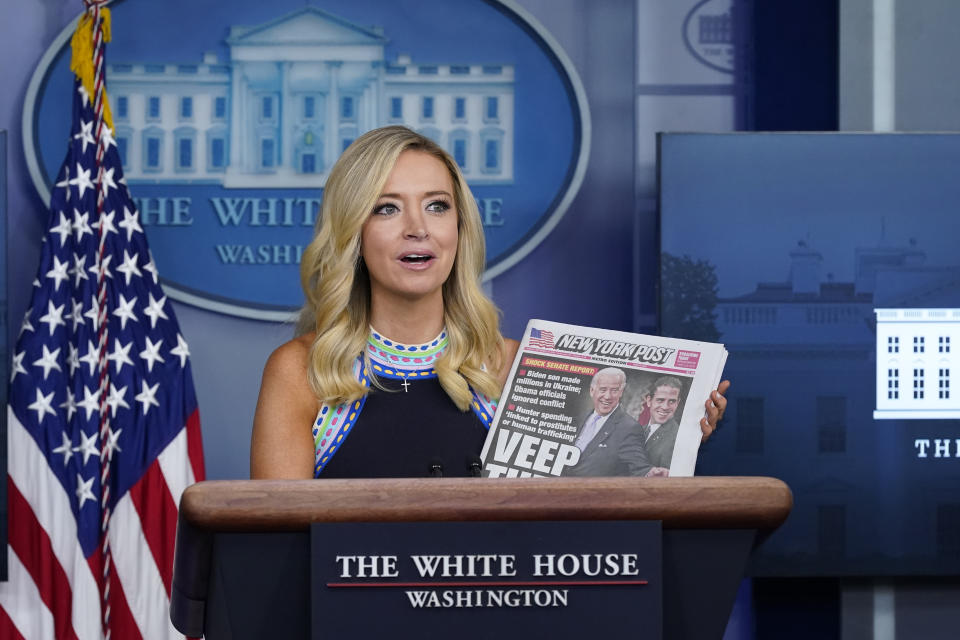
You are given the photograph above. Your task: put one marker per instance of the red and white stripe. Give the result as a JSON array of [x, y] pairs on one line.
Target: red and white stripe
[[53, 590]]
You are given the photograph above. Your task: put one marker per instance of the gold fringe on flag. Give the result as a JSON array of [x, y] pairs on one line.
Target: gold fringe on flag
[[81, 61]]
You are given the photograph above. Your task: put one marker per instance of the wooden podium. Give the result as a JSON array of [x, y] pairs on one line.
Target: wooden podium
[[242, 565]]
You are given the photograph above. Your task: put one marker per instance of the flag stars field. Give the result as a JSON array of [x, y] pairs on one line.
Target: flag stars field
[[76, 316], [82, 182], [42, 405], [154, 310], [181, 350], [106, 182], [106, 221], [129, 267], [17, 366], [130, 224], [48, 361], [120, 355], [152, 268], [65, 184], [91, 402], [81, 225], [106, 137], [25, 325], [63, 230], [70, 404], [73, 358], [85, 135], [115, 399], [111, 446], [54, 316], [90, 358], [147, 395], [85, 490], [59, 272], [151, 354], [88, 446], [65, 449], [79, 269], [102, 268], [94, 314], [124, 310]]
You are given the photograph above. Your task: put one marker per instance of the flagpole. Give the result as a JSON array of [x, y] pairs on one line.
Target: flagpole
[[93, 8]]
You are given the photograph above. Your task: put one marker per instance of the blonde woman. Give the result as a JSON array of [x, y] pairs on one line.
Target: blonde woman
[[400, 359]]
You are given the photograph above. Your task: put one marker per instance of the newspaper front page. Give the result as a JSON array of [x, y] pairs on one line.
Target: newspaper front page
[[591, 402]]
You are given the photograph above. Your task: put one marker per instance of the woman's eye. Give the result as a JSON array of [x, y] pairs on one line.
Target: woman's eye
[[438, 206], [385, 209]]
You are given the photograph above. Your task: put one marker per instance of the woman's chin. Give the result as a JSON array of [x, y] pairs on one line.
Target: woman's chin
[[410, 290]]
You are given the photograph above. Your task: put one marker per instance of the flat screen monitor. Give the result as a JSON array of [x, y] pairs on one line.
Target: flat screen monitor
[[829, 266]]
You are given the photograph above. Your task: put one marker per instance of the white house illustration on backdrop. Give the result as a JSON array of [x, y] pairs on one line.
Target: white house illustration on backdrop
[[916, 351], [295, 93]]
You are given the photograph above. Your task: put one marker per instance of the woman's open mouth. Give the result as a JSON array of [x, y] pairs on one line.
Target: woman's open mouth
[[417, 261]]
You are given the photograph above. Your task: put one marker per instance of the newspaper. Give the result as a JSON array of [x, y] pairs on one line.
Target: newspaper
[[591, 402]]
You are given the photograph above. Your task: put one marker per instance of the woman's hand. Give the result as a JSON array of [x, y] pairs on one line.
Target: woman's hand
[[716, 404], [507, 354]]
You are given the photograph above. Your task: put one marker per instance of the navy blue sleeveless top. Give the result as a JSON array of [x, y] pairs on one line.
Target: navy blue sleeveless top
[[411, 428]]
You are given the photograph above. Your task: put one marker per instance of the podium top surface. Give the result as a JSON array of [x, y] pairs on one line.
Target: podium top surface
[[290, 505]]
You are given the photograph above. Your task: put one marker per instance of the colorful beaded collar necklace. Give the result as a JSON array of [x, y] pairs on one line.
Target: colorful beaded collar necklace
[[391, 359]]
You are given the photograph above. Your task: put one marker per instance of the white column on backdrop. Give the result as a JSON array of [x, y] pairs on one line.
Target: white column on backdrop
[[884, 65], [884, 120]]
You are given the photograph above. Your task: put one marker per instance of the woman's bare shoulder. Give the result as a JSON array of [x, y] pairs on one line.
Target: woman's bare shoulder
[[289, 360], [282, 444]]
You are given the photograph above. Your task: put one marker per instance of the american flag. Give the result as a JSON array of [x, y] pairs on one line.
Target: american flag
[[541, 338], [101, 444]]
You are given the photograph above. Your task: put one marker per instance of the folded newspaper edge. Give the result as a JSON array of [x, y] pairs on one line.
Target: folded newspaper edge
[[552, 420]]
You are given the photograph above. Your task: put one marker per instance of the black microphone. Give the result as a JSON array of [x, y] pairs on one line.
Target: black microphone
[[436, 468], [474, 466]]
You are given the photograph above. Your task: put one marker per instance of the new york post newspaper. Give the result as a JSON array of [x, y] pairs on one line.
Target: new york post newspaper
[[591, 402]]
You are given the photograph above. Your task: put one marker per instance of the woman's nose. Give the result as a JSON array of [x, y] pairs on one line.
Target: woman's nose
[[415, 226]]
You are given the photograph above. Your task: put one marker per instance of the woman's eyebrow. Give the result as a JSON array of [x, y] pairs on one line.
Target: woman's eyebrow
[[427, 194]]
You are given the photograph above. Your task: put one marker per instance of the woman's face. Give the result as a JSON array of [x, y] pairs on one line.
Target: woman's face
[[409, 241]]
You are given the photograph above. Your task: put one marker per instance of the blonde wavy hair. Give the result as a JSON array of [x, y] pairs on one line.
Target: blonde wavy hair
[[337, 285]]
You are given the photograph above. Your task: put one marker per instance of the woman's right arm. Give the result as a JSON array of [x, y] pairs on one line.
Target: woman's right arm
[[282, 442]]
